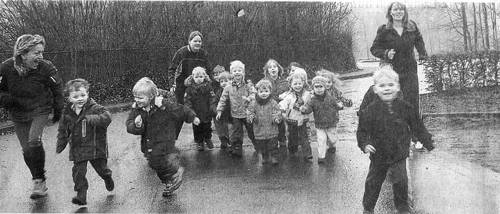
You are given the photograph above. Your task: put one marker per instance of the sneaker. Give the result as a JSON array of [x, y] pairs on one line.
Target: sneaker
[[80, 198], [209, 143], [331, 150], [39, 189], [110, 184]]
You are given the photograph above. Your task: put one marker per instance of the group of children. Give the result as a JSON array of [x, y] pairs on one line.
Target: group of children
[[274, 106]]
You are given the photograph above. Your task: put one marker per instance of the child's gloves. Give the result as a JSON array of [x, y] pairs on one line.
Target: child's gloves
[[196, 121], [138, 121], [340, 105], [429, 146], [370, 149]]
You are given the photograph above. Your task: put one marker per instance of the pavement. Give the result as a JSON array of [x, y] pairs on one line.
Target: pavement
[[218, 183]]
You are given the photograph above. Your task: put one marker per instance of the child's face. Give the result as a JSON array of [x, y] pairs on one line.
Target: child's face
[[224, 82], [238, 73], [292, 69], [264, 93], [78, 97], [386, 89], [142, 100], [319, 89], [328, 84], [273, 70], [297, 84], [198, 77]]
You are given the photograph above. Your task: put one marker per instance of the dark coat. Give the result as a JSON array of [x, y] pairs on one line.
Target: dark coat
[[86, 133], [404, 62], [280, 86], [390, 134], [183, 62], [37, 93], [325, 110], [159, 124], [201, 98]]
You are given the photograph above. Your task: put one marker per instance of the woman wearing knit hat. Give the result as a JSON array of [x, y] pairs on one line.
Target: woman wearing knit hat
[[31, 89], [325, 109], [184, 61]]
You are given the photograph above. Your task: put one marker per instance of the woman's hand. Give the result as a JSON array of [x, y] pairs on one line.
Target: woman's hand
[[391, 54], [138, 121], [370, 149]]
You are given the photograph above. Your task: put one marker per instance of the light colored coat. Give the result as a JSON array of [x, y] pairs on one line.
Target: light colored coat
[[291, 113]]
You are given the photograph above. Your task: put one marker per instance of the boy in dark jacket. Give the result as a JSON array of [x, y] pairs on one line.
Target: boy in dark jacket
[[384, 130], [200, 97], [84, 126], [224, 79], [155, 120]]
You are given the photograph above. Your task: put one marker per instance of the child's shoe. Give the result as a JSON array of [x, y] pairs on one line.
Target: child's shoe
[[80, 198], [332, 149], [39, 189], [110, 184], [274, 160], [200, 147], [265, 158], [210, 145], [321, 160], [171, 186]]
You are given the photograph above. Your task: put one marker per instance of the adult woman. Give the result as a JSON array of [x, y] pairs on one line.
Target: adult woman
[[183, 62], [394, 44], [30, 89]]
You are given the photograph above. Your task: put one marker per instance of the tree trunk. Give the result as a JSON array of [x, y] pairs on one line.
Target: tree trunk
[[494, 25], [486, 29], [464, 26], [481, 26], [475, 26]]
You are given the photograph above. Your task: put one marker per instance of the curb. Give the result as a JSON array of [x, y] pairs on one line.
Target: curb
[[463, 114]]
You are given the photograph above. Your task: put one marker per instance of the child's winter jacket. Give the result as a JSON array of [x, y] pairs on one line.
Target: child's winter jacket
[[201, 99], [237, 96], [86, 133], [390, 134], [291, 107], [263, 114], [159, 123], [325, 109], [226, 113]]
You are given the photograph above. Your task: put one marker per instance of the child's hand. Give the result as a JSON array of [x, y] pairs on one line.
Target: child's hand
[[196, 121], [138, 121], [158, 101], [370, 149], [340, 105], [277, 120], [302, 109], [219, 114]]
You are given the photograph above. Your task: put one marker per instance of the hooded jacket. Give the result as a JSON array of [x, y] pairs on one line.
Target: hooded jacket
[[201, 98], [325, 109], [86, 133], [263, 114]]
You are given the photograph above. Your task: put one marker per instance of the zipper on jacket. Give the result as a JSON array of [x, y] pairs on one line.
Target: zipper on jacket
[[84, 128]]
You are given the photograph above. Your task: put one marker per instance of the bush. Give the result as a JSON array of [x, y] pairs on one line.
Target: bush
[[465, 70]]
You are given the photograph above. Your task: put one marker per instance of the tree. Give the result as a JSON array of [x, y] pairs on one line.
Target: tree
[[486, 29]]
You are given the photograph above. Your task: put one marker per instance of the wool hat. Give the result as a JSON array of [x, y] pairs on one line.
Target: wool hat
[[195, 33], [319, 80], [236, 64]]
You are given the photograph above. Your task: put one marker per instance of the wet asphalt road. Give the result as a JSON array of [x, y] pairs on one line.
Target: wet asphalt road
[[218, 183]]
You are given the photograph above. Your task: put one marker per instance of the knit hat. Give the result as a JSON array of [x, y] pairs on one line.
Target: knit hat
[[319, 80], [236, 64], [193, 34]]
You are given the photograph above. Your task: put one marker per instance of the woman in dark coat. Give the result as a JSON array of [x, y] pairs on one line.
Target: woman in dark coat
[[183, 62], [30, 89], [395, 43]]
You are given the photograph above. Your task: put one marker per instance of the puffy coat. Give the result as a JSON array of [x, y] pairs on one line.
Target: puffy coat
[[237, 97], [86, 132], [263, 114], [291, 109], [39, 92], [325, 110], [159, 124], [226, 113], [201, 98], [390, 134]]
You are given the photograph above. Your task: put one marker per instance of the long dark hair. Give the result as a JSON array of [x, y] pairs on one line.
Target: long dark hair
[[388, 15]]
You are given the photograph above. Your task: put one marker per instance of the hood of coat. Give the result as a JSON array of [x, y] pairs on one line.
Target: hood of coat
[[189, 81]]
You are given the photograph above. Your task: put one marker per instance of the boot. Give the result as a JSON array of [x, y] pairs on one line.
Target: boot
[[265, 158], [332, 149], [110, 184], [39, 189], [209, 143], [237, 150], [223, 143], [80, 198], [173, 184], [200, 147]]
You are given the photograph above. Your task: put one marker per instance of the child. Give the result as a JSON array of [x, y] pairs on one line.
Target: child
[[293, 66], [296, 121], [333, 84], [237, 97], [84, 126], [264, 114], [384, 130], [200, 97], [224, 79], [274, 73], [155, 120], [325, 109]]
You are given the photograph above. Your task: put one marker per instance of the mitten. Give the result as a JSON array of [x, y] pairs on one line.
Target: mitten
[[429, 146]]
